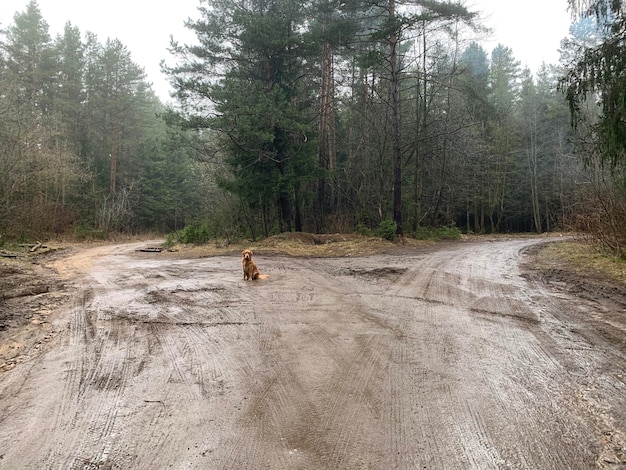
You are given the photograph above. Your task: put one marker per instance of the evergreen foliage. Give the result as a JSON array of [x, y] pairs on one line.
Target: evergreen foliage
[[259, 93], [599, 72], [81, 147], [315, 116]]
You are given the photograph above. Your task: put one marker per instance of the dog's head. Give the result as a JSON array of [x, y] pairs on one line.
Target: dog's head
[[246, 254]]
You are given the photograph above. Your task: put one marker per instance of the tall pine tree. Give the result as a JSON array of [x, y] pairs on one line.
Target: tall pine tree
[[247, 83]]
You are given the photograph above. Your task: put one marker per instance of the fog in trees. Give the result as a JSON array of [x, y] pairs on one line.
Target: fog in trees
[[321, 116]]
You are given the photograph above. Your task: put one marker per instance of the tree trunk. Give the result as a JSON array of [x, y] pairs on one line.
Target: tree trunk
[[534, 185], [114, 145], [284, 205], [420, 135], [395, 125], [327, 159]]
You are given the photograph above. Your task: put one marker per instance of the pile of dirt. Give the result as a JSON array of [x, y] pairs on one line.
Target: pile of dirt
[[302, 244]]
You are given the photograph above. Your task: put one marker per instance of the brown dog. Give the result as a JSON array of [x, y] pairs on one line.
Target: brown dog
[[250, 270]]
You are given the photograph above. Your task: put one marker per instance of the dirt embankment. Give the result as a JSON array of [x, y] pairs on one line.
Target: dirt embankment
[[31, 290]]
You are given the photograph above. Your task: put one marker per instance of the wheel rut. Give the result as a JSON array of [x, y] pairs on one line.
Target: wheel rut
[[440, 358]]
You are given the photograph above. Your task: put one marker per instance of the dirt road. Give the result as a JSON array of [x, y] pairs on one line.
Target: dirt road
[[444, 358]]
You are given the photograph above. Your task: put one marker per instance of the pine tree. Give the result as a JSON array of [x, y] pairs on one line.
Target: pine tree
[[69, 51], [248, 84], [28, 78], [601, 70]]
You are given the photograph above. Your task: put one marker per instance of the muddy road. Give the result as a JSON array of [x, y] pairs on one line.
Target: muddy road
[[444, 358]]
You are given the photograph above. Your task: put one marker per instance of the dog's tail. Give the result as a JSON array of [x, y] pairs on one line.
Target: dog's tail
[[263, 276]]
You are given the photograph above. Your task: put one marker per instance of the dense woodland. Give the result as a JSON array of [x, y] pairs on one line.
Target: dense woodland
[[317, 116]]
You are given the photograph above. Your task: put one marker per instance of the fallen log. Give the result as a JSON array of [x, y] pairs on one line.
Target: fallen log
[[150, 250], [32, 246]]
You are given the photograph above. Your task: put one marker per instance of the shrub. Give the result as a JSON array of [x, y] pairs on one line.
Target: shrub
[[172, 239], [438, 233], [362, 229], [197, 232], [387, 229], [83, 231]]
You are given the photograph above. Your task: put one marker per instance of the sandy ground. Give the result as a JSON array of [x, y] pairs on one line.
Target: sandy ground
[[461, 355]]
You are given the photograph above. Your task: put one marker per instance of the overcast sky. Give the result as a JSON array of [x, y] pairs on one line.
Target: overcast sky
[[533, 29]]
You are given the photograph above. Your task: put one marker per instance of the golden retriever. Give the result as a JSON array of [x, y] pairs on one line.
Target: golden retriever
[[250, 270]]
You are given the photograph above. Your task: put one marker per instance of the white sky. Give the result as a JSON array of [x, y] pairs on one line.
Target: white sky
[[533, 29]]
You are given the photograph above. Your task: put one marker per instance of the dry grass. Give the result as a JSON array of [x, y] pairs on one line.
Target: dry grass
[[305, 245], [583, 256]]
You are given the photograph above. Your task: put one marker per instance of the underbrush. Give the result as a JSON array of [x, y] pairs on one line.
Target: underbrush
[[603, 217], [196, 233], [387, 230], [201, 232], [438, 233]]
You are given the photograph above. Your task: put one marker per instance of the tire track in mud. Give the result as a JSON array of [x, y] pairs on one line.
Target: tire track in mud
[[410, 303], [438, 359], [355, 399], [310, 411], [198, 338], [77, 371], [429, 307], [594, 366], [96, 397], [95, 385], [270, 392], [433, 306], [65, 405]]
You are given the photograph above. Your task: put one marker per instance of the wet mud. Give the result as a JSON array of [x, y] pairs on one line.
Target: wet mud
[[455, 356]]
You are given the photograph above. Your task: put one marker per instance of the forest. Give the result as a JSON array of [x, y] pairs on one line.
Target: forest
[[320, 116]]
